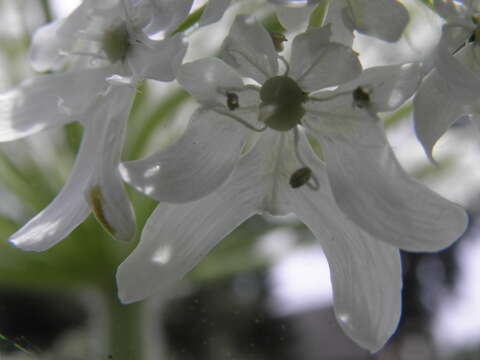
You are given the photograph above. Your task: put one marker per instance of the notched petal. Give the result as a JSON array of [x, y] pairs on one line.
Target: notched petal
[[97, 203], [383, 19], [249, 49], [317, 63], [194, 166], [209, 80]]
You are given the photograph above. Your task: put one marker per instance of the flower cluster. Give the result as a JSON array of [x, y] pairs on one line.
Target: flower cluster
[[248, 147]]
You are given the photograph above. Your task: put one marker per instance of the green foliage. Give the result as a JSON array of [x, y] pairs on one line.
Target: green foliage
[[428, 3], [272, 24], [142, 128], [317, 17], [191, 20]]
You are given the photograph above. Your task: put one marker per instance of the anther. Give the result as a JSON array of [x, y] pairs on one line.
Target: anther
[[278, 40], [232, 101], [472, 37], [300, 177], [361, 98]]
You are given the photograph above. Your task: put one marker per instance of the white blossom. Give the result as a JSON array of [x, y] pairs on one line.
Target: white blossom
[[383, 19], [103, 49], [358, 202], [451, 89]]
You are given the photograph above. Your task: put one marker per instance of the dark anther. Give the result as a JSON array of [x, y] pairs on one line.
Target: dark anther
[[471, 39], [232, 101], [361, 98], [278, 40], [300, 177]]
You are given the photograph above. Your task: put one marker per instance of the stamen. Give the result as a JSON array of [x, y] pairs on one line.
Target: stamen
[[315, 63], [472, 37], [330, 97], [300, 177], [361, 98], [232, 101], [278, 40], [304, 175], [246, 57], [297, 147], [253, 87], [241, 121], [287, 67]]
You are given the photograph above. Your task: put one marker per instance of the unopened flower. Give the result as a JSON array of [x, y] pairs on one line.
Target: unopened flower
[[104, 48], [245, 152]]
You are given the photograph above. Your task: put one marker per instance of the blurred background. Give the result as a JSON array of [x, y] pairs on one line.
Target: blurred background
[[262, 293]]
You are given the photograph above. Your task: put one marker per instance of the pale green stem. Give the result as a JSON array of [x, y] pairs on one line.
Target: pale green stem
[[46, 10], [126, 330]]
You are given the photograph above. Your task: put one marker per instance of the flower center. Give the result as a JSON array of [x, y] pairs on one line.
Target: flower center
[[115, 42], [281, 108]]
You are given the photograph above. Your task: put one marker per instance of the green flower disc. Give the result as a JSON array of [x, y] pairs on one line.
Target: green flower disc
[[115, 43], [286, 98]]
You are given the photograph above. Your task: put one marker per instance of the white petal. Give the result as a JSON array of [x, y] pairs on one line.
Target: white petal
[[208, 80], [317, 63], [434, 111], [198, 163], [162, 15], [51, 42], [337, 18], [393, 85], [158, 59], [463, 82], [376, 193], [294, 18], [249, 49], [365, 273], [177, 237], [45, 51], [388, 86], [450, 8], [48, 100], [214, 11], [67, 210], [383, 19], [105, 192], [70, 207]]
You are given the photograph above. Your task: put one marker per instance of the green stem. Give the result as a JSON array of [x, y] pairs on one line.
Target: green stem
[[46, 10], [126, 330], [191, 20]]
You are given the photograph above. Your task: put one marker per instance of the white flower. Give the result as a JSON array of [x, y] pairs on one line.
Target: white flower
[[106, 49], [451, 89], [383, 19], [233, 178]]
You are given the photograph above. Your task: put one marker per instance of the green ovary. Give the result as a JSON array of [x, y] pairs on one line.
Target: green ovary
[[284, 97], [115, 43]]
